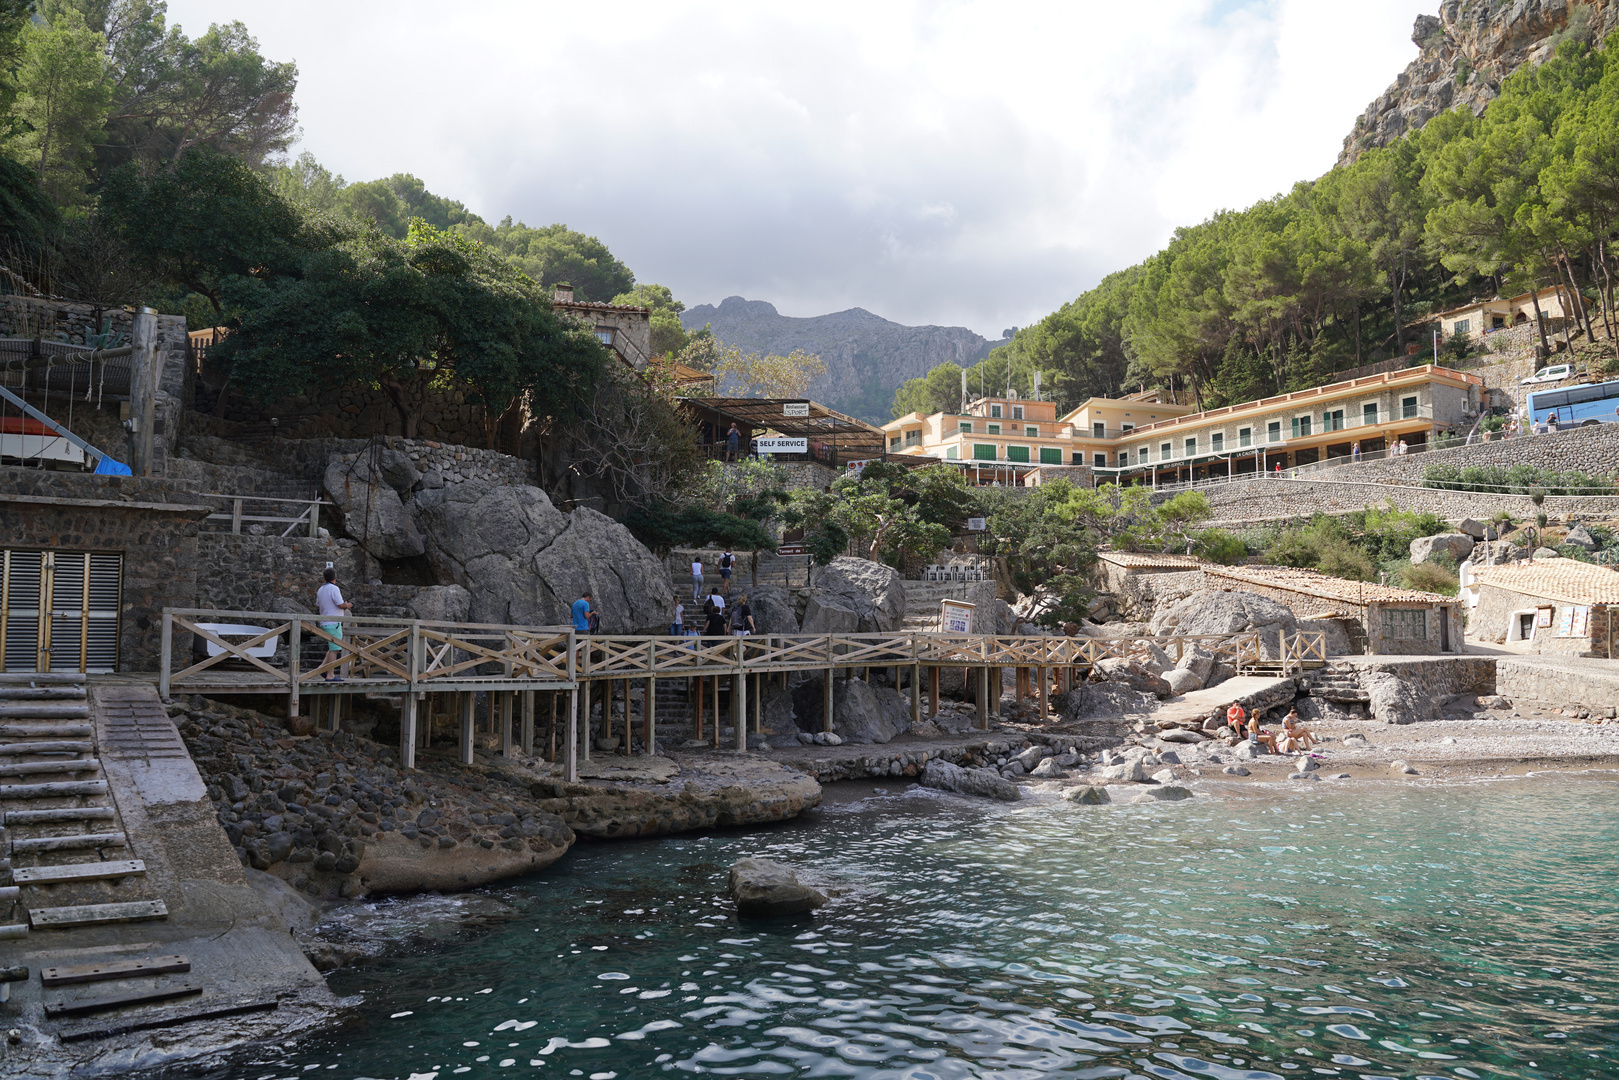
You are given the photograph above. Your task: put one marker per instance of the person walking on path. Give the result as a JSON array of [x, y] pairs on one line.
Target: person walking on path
[[678, 627], [329, 603], [714, 612], [733, 439], [742, 618], [582, 613], [697, 578], [727, 562]]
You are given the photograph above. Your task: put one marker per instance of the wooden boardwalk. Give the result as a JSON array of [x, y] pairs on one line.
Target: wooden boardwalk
[[335, 658]]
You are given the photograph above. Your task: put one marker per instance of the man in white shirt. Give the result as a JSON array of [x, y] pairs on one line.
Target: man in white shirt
[[329, 603]]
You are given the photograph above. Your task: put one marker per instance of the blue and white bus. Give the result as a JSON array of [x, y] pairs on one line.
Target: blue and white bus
[[1576, 406]]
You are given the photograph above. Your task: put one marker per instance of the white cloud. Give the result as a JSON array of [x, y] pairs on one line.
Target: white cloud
[[966, 162]]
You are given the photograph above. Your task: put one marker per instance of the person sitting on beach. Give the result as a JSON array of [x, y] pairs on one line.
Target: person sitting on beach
[[1295, 737]]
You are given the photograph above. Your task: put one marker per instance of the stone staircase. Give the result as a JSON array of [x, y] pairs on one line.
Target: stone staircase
[[65, 863], [790, 571], [922, 602], [1338, 682]]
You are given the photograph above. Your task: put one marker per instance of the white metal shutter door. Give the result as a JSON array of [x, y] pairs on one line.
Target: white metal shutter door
[[66, 577], [20, 573], [105, 599]]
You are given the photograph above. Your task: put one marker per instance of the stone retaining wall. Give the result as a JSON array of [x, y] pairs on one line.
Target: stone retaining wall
[[152, 523], [1437, 677], [1583, 684], [250, 573], [273, 462], [1592, 449], [880, 762], [1249, 501]]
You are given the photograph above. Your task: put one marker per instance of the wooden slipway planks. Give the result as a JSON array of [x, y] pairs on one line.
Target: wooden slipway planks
[[85, 1006], [92, 914], [96, 871], [113, 969]]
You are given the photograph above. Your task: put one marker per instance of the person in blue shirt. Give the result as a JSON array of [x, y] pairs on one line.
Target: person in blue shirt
[[581, 614]]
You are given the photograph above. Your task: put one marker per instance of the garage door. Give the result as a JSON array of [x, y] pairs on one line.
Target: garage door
[[59, 610]]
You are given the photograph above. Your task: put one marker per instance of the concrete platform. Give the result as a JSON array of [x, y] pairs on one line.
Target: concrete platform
[[1200, 703], [255, 982]]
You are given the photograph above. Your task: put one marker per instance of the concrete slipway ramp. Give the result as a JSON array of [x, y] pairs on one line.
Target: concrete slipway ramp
[[145, 944]]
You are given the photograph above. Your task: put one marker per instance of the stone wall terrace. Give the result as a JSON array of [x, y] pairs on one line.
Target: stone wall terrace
[[1253, 501], [1592, 449]]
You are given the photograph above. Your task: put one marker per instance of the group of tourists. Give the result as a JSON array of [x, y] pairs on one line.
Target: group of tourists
[[1294, 738]]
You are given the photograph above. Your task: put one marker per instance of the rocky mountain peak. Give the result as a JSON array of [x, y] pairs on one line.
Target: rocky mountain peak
[[1466, 51]]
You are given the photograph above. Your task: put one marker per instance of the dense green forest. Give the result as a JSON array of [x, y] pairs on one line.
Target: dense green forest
[[89, 88], [1331, 274], [139, 165]]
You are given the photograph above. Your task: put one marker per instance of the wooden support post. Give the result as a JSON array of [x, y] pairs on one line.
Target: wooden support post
[[584, 726], [739, 708], [570, 753], [527, 729], [826, 701], [407, 732], [1045, 678], [933, 692], [649, 715], [294, 648], [506, 701], [758, 704], [916, 693], [555, 697], [717, 724], [697, 708], [983, 698], [468, 700]]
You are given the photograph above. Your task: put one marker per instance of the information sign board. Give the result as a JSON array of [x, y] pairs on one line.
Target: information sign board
[[795, 408], [955, 617]]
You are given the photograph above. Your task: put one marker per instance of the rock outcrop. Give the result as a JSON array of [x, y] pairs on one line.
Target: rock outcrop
[[855, 596], [1132, 674], [1395, 701], [1466, 53], [983, 782], [763, 888], [861, 712], [370, 491], [524, 561], [1225, 613], [1455, 547]]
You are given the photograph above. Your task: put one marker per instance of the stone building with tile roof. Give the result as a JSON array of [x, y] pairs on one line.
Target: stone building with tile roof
[[1560, 607], [1379, 619]]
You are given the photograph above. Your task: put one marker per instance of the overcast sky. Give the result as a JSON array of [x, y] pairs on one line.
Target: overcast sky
[[957, 163]]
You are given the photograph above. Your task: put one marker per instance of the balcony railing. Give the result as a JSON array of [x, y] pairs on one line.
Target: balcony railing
[[1349, 432]]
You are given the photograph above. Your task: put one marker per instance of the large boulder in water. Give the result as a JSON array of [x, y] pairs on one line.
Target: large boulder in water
[[1226, 613], [370, 490], [982, 782], [525, 562], [855, 596], [763, 888]]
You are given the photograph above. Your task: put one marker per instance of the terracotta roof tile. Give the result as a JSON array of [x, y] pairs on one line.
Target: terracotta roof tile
[[1569, 580], [1325, 586], [1134, 560]]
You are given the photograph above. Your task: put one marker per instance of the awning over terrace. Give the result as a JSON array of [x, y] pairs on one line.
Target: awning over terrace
[[832, 436]]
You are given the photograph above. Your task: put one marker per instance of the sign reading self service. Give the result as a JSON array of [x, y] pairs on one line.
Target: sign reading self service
[[775, 445]]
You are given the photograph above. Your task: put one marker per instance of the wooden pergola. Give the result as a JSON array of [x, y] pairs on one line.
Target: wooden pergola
[[833, 437]]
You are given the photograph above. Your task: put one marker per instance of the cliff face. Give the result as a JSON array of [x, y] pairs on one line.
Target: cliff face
[[867, 357], [1466, 53]]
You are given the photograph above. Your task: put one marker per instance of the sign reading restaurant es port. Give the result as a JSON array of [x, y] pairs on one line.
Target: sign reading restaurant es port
[[795, 408], [776, 445]]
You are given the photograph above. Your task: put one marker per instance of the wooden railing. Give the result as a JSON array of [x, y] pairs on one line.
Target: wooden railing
[[1304, 649], [304, 512], [397, 655]]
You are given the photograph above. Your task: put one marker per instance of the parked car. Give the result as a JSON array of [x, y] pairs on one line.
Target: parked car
[[1554, 373]]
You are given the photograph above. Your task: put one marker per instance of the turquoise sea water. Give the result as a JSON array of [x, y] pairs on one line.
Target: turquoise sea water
[[1363, 930]]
